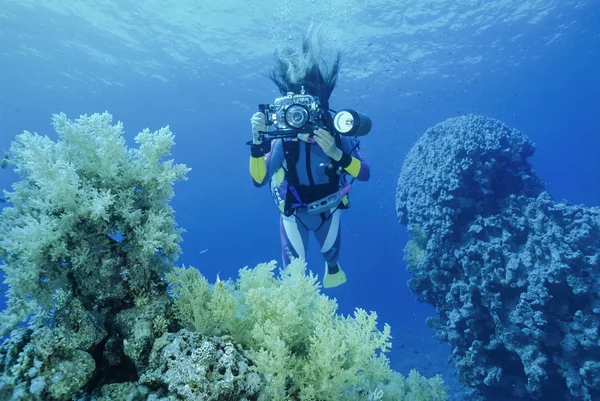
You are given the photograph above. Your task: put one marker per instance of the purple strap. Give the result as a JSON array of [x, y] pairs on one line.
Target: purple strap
[[345, 190], [297, 196]]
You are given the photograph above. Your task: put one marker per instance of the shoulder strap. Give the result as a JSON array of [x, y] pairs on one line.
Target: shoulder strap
[[291, 153]]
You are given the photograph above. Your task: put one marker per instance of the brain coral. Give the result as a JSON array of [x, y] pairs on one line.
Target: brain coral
[[513, 274]]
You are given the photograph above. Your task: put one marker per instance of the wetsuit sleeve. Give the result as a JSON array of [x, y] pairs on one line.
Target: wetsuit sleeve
[[264, 161], [352, 161]]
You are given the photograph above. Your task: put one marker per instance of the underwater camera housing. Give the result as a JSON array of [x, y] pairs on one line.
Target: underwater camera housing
[[295, 114]]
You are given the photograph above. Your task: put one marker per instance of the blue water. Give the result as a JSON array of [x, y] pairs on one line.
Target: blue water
[[548, 89]]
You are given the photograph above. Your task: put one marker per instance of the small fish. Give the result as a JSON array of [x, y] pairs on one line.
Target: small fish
[[203, 251], [219, 282], [4, 161]]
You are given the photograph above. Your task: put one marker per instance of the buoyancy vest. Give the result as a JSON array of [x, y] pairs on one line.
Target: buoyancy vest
[[289, 195]]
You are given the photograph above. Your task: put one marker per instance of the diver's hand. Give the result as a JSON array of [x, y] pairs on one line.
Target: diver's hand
[[327, 142], [258, 123]]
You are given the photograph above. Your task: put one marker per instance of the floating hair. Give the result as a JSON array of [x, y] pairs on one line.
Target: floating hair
[[309, 67]]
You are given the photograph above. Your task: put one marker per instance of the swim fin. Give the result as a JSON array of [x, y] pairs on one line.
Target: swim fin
[[334, 276]]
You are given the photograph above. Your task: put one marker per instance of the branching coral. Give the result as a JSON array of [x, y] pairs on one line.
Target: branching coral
[[304, 350], [89, 217]]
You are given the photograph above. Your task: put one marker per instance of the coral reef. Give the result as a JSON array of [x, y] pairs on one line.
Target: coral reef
[[513, 275], [85, 242], [97, 309]]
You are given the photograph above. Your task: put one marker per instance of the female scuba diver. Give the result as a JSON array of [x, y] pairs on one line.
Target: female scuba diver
[[307, 173]]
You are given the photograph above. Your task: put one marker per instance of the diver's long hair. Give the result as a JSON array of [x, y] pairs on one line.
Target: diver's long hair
[[308, 67]]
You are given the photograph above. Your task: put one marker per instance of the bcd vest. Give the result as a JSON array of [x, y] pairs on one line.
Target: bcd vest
[[288, 194]]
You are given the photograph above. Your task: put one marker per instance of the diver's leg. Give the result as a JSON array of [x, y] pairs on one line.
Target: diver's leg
[[294, 239], [328, 237]]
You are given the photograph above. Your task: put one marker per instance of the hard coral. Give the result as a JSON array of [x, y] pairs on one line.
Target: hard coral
[[514, 275], [188, 366]]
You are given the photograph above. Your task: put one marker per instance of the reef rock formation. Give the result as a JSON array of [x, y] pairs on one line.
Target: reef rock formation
[[513, 274]]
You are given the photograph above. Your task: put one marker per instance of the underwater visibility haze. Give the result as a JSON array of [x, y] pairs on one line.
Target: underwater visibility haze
[[152, 219]]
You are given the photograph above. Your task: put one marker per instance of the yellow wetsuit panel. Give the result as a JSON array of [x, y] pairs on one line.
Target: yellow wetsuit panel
[[258, 169], [278, 178], [354, 168]]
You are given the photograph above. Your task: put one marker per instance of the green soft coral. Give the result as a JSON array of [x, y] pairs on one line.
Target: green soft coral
[[75, 196], [301, 346]]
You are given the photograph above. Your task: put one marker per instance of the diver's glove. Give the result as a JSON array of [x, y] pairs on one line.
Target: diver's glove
[[258, 148], [345, 160], [258, 123]]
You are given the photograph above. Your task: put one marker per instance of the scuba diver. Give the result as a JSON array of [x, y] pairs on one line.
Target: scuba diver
[[310, 156]]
